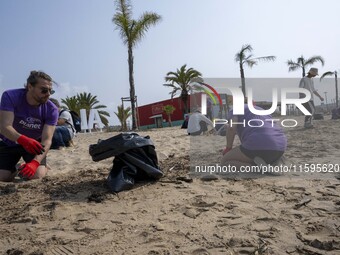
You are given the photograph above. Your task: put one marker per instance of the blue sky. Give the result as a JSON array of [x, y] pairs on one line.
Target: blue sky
[[76, 43]]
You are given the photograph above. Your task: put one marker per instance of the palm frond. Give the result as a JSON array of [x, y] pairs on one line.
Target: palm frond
[[266, 58], [142, 26], [303, 63], [173, 93], [315, 59], [172, 74], [169, 85], [293, 68], [301, 60], [245, 48], [124, 7], [105, 113], [104, 120], [251, 62], [99, 106], [329, 73], [172, 79], [122, 19], [237, 57], [240, 56]]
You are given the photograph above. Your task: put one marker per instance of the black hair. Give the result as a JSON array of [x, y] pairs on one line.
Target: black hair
[[35, 75]]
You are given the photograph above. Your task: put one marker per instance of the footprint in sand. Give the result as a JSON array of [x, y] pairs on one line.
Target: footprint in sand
[[61, 250], [200, 251]]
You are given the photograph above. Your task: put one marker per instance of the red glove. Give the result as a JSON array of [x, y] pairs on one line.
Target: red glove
[[28, 170], [30, 145], [226, 150]]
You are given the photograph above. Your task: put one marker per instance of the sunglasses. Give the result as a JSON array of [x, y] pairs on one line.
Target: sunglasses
[[46, 90]]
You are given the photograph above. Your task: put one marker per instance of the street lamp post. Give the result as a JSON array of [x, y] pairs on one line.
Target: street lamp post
[[336, 89], [326, 100]]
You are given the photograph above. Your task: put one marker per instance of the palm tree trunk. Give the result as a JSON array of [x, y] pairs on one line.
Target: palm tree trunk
[[243, 82], [169, 118], [302, 62], [185, 102], [336, 89], [124, 125], [303, 67], [132, 88]]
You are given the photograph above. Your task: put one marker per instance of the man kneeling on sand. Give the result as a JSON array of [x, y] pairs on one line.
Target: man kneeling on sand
[[262, 143], [27, 123]]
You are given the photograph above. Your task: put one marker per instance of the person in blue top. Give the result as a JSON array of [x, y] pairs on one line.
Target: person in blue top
[[260, 138], [27, 122]]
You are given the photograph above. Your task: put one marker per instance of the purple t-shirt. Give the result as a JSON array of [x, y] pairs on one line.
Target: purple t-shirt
[[28, 120], [266, 135]]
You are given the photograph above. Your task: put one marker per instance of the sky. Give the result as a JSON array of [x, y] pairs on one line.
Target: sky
[[76, 43]]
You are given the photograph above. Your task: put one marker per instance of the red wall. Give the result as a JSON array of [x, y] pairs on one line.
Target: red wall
[[146, 111]]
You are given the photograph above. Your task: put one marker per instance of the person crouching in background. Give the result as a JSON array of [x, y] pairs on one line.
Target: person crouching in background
[[64, 131]]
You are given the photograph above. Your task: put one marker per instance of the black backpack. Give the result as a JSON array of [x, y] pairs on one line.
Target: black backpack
[[75, 119]]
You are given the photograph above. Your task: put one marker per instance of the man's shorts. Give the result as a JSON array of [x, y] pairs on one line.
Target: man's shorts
[[10, 156], [269, 156]]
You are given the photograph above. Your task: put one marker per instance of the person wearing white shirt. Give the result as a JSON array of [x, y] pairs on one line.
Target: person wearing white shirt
[[198, 124], [65, 130], [308, 83]]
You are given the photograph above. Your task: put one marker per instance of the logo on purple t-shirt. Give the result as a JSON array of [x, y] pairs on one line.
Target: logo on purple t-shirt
[[31, 123]]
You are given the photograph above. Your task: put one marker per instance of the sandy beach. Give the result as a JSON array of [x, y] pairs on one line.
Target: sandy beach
[[71, 211]]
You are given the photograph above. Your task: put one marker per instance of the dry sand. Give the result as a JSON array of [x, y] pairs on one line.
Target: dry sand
[[71, 211]]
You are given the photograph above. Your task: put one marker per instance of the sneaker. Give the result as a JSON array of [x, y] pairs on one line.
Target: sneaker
[[280, 161], [260, 162]]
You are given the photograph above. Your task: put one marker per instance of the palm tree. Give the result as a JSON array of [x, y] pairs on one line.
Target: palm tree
[[169, 109], [335, 73], [250, 60], [180, 82], [71, 104], [122, 115], [132, 31], [302, 63], [87, 101]]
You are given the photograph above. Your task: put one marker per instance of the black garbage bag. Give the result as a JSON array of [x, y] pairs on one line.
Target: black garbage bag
[[135, 160], [121, 176], [117, 145]]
